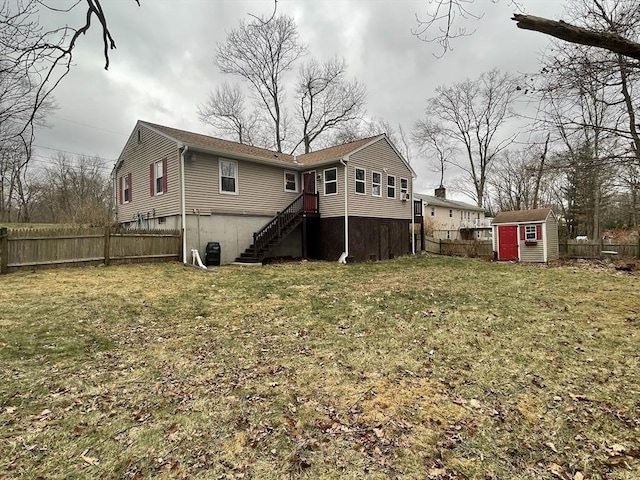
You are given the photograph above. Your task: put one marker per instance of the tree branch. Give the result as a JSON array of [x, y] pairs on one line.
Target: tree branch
[[573, 34]]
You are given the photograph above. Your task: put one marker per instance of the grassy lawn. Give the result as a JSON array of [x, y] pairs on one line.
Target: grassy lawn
[[425, 368]]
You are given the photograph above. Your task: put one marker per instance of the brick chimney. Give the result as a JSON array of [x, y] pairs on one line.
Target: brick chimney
[[441, 192]]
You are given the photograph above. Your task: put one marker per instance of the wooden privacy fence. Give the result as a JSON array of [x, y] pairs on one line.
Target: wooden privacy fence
[[32, 248], [575, 249], [459, 248]]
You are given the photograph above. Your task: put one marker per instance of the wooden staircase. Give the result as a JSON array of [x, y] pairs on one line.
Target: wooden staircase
[[279, 227]]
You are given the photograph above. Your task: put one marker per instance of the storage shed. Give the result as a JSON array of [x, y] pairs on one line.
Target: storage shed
[[526, 235]]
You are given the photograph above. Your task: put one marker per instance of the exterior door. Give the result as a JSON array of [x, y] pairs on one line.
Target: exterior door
[[309, 189], [508, 242]]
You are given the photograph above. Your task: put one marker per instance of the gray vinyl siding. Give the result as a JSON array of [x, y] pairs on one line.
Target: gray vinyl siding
[[553, 252], [260, 187], [378, 157], [531, 253], [331, 205], [136, 158]]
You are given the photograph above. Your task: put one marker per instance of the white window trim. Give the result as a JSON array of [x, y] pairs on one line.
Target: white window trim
[[324, 181], [295, 176], [404, 190], [528, 229], [123, 181], [433, 211], [224, 192], [451, 213], [395, 186], [356, 181], [155, 177], [373, 184]]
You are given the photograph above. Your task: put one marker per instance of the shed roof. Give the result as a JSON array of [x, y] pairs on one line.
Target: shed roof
[[523, 216]]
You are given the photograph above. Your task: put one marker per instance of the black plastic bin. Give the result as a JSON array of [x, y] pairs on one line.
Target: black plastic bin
[[212, 254]]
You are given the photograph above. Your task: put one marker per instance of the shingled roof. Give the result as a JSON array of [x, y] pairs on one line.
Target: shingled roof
[[522, 216], [212, 143], [206, 142]]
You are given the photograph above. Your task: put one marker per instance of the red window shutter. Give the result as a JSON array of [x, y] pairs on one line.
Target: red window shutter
[[539, 232], [151, 180], [130, 187], [523, 232], [120, 189], [164, 175]]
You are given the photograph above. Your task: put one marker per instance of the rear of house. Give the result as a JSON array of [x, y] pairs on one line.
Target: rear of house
[[526, 235], [345, 201]]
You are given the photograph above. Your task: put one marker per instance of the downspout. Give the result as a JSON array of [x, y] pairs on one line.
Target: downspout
[[183, 206], [114, 193], [343, 258], [413, 221]]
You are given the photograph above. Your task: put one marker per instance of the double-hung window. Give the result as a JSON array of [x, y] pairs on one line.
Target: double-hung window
[[404, 188], [290, 182], [530, 232], [330, 181], [376, 184], [158, 177], [125, 189], [361, 176], [391, 186], [228, 177]]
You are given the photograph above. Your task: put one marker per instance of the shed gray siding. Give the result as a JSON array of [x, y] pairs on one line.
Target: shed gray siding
[[531, 253], [553, 248], [136, 159]]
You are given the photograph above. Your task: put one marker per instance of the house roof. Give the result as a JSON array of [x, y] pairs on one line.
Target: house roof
[[337, 152], [197, 140], [443, 202], [206, 142], [522, 216]]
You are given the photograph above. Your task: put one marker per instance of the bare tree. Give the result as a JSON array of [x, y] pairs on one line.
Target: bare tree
[[326, 99], [34, 59], [435, 145], [260, 53], [472, 115], [441, 24], [225, 111], [442, 20], [519, 180], [74, 190]]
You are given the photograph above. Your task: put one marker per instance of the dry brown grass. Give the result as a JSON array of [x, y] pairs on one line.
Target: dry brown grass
[[416, 368]]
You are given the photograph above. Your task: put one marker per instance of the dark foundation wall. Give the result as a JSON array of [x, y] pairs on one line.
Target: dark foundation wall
[[369, 238]]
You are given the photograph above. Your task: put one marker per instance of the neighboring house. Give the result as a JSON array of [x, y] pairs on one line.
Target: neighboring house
[[526, 235], [450, 219], [258, 203]]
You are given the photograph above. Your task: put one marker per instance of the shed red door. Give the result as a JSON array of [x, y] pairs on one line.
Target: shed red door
[[508, 242]]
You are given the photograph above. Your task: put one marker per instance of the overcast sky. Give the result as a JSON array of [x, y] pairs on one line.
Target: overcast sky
[[163, 66]]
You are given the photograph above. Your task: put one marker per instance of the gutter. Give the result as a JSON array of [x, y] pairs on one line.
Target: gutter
[[343, 258], [183, 207]]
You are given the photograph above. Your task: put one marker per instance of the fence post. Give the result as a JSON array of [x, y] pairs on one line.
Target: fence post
[[107, 245], [4, 250]]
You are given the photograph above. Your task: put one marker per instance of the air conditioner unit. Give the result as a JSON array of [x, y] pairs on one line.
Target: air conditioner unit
[[405, 197]]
